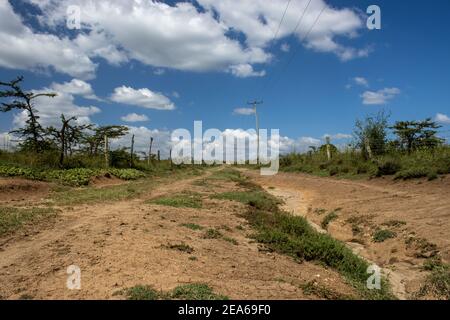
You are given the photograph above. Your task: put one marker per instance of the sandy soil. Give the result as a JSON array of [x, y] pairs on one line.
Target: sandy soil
[[122, 244], [417, 211]]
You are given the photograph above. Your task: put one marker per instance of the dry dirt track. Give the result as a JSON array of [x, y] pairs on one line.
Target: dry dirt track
[[122, 244], [417, 211]]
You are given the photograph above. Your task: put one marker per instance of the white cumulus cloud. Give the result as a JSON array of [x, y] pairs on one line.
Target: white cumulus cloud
[[184, 36], [76, 87], [245, 71], [21, 48], [134, 117], [244, 111], [144, 98], [442, 118], [380, 97]]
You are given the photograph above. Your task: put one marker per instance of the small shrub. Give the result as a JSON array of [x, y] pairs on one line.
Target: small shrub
[[231, 240], [192, 226], [142, 293], [412, 173], [437, 284], [383, 234], [388, 167], [212, 234], [195, 291]]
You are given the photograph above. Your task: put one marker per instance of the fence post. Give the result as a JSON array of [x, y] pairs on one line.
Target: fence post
[[150, 150], [159, 156], [131, 151], [106, 152]]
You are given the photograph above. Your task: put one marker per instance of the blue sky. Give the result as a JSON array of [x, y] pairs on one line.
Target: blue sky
[[402, 68]]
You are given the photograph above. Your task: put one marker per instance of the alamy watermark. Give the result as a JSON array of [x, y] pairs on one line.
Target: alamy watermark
[[374, 281], [73, 281], [73, 17], [216, 147]]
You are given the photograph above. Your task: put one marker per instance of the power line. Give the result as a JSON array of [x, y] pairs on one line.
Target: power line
[[298, 44], [299, 21], [281, 21]]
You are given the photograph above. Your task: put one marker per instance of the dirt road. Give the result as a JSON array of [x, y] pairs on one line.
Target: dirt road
[[417, 215], [126, 243]]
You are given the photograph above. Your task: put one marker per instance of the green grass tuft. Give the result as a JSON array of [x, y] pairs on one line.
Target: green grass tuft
[[383, 234], [193, 291], [212, 234], [12, 218], [183, 200], [142, 293]]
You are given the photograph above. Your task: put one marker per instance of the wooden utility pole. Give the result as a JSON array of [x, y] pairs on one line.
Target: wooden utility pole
[[328, 139], [131, 151], [106, 152], [150, 150], [255, 104]]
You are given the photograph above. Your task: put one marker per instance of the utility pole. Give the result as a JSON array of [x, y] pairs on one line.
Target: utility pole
[[255, 104], [150, 151]]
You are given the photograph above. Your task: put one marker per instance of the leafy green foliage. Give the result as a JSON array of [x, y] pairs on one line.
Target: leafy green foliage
[[142, 293], [73, 177], [423, 163]]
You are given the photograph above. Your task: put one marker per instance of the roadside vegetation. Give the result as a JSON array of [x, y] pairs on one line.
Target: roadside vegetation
[[71, 153], [182, 200], [193, 291], [292, 235], [13, 218], [405, 150]]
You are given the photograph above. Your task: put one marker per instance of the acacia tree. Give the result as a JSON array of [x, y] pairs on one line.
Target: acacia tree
[[417, 134], [33, 131], [97, 139], [373, 130], [68, 135]]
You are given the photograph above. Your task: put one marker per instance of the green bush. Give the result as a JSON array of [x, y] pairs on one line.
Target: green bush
[[382, 235], [412, 173], [425, 162], [73, 177], [389, 166]]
